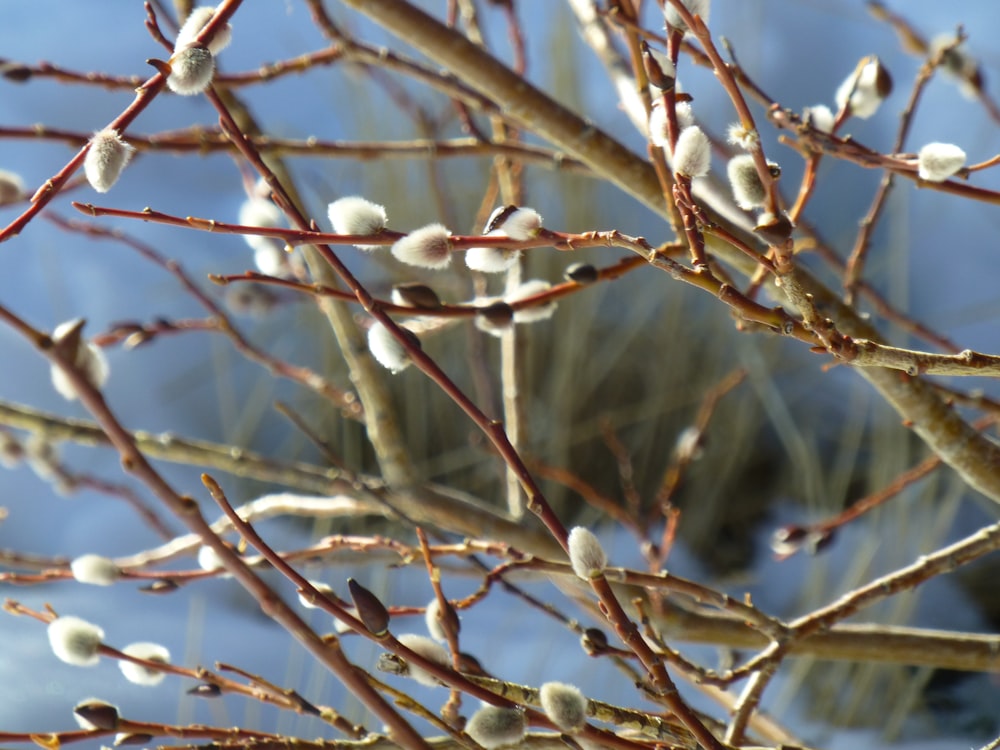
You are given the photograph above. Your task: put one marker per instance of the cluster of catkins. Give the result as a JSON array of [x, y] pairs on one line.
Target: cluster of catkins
[[192, 66], [492, 726], [860, 95], [430, 247]]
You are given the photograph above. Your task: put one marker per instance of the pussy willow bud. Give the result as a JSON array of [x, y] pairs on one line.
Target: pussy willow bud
[[87, 358], [524, 291], [746, 138], [191, 71], [357, 215], [820, 117], [774, 229], [11, 187], [430, 650], [95, 570], [586, 554], [863, 91], [323, 588], [564, 705], [493, 726], [658, 134], [415, 294], [387, 350], [957, 63], [659, 70], [494, 318], [439, 622], [93, 713], [696, 7], [205, 690], [195, 22], [208, 559], [371, 611], [581, 273], [693, 154], [253, 300], [490, 259], [106, 158], [269, 253], [518, 223], [936, 162], [685, 115], [11, 450], [75, 641], [427, 247], [140, 674], [748, 190]]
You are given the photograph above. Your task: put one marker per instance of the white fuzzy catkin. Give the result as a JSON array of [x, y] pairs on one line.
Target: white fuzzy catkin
[[106, 158], [357, 215], [564, 705], [427, 247], [11, 187], [748, 190], [746, 139], [89, 360], [958, 64], [685, 115], [387, 351], [494, 316], [138, 673], [434, 626], [191, 71], [321, 587], [195, 22], [530, 289], [522, 224], [586, 554], [269, 254], [96, 570], [208, 559], [936, 162], [820, 117], [254, 300], [658, 135], [75, 641], [490, 259], [430, 650], [866, 87], [493, 726], [693, 154], [696, 7]]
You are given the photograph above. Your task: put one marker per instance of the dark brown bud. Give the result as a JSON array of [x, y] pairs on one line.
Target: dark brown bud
[[14, 71], [499, 217], [594, 641], [416, 295], [657, 76], [817, 540], [371, 611], [99, 714], [581, 273], [775, 230], [497, 314], [205, 690], [163, 586], [788, 540]]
